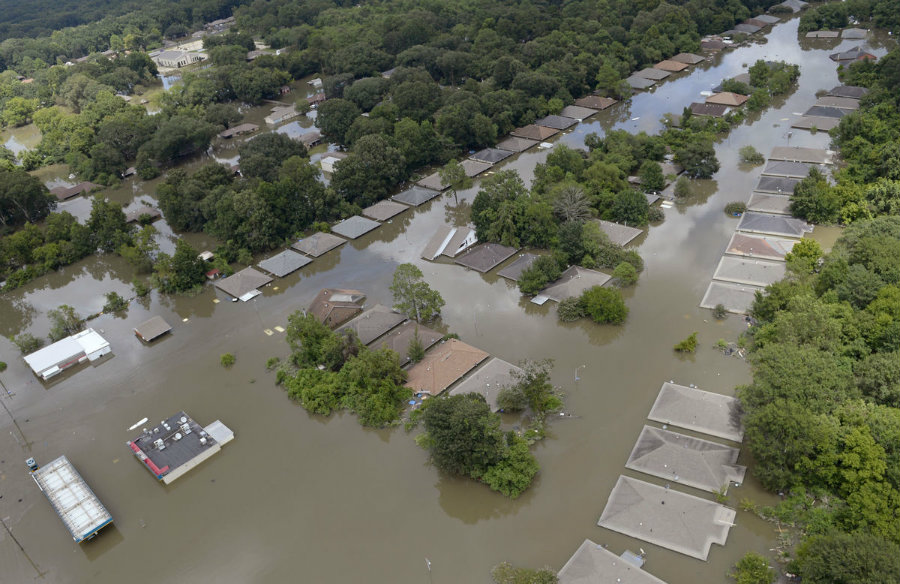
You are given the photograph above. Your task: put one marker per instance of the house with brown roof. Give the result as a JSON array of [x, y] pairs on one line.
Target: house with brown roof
[[443, 366], [533, 132], [714, 110], [671, 65], [333, 306], [728, 98]]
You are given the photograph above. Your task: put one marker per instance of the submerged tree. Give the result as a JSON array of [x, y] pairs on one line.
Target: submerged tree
[[413, 295]]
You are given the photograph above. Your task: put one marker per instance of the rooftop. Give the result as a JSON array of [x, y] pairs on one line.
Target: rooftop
[[826, 112], [399, 338], [63, 193], [760, 246], [747, 28], [573, 282], [767, 18], [491, 155], [473, 168], [73, 500], [415, 196], [318, 244], [773, 224], [335, 306], [787, 168], [355, 226], [514, 144], [819, 122], [777, 184], [854, 33], [617, 233], [438, 242], [735, 298], [823, 34], [284, 263], [849, 103], [50, 360], [432, 181], [728, 98], [651, 73], [514, 270], [461, 239], [715, 110], [596, 102], [488, 380], [577, 112], [683, 523], [136, 214], [855, 54], [671, 65], [749, 271], [688, 58], [443, 366], [770, 203], [244, 284], [485, 257], [701, 411], [702, 464], [176, 445], [556, 122], [593, 564], [237, 130], [373, 323], [153, 328], [534, 132], [384, 210], [849, 91]]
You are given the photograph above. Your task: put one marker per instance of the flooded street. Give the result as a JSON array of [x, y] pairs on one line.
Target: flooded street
[[297, 497]]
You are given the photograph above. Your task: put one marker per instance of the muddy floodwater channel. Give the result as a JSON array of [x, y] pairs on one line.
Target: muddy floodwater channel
[[297, 497]]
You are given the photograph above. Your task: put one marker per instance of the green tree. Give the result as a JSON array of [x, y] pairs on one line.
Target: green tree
[[698, 158], [571, 204], [64, 322], [652, 179], [22, 198], [462, 434], [413, 295], [751, 155], [534, 388], [604, 305], [544, 270], [368, 174], [687, 345], [114, 302], [625, 274], [454, 177], [815, 200], [804, 256], [262, 157], [335, 117], [860, 558], [631, 208], [415, 351], [28, 343], [753, 569], [181, 272]]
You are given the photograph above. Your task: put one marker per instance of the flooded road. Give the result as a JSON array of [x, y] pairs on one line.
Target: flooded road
[[297, 497]]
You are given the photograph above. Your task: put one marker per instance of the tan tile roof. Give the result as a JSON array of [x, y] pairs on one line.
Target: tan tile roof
[[443, 365]]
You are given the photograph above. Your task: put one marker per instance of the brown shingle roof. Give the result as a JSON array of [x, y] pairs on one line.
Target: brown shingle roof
[[334, 306], [671, 65], [708, 109], [443, 365], [727, 98], [533, 132]]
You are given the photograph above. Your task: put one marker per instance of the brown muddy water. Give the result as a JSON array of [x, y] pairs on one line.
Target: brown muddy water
[[303, 498]]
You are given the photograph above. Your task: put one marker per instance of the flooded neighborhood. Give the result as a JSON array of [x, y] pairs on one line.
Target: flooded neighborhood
[[296, 496]]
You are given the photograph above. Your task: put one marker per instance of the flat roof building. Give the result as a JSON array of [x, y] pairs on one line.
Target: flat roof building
[[151, 329], [73, 500], [53, 359], [177, 445]]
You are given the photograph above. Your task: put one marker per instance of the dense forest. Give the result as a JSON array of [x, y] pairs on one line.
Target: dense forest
[[823, 412]]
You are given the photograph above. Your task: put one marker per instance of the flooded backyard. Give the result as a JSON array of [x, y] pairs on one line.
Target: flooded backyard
[[297, 497]]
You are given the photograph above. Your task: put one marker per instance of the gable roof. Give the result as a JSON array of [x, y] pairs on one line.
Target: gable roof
[[727, 98], [688, 58], [318, 243], [284, 263], [243, 283], [384, 210], [715, 110], [534, 132], [596, 102], [355, 226], [415, 195], [491, 155], [485, 257], [335, 306], [556, 122], [398, 339], [577, 112], [671, 65], [652, 73], [373, 323]]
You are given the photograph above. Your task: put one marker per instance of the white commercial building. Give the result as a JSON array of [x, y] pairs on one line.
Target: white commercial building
[[87, 345]]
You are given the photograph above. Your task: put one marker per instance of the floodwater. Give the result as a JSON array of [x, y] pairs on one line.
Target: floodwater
[[298, 497]]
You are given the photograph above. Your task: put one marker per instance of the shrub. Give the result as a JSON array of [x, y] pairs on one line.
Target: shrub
[[114, 303], [604, 305], [272, 363], [655, 214], [570, 309], [415, 351], [682, 187], [625, 274], [2, 366], [688, 345], [544, 270], [735, 208], [227, 360], [751, 155], [753, 569], [719, 312], [140, 289]]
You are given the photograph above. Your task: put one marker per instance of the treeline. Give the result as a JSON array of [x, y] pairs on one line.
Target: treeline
[[41, 33], [868, 184], [822, 414], [836, 15]]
